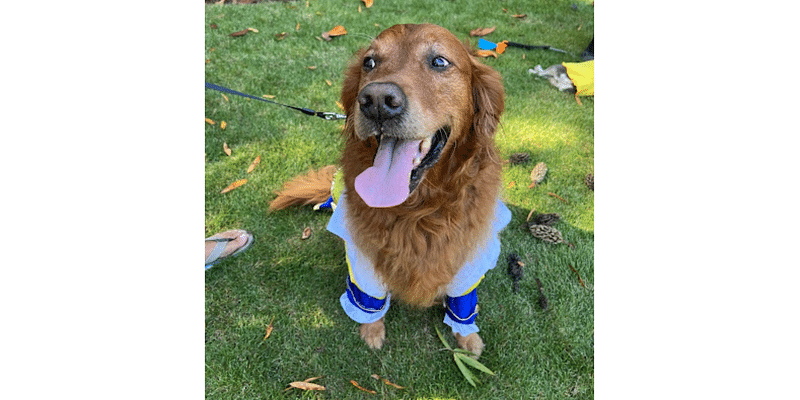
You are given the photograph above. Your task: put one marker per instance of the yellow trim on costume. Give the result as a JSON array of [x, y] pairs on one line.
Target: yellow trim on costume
[[352, 277], [473, 286]]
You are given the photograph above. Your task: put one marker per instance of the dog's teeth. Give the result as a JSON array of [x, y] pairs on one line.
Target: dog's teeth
[[425, 145]]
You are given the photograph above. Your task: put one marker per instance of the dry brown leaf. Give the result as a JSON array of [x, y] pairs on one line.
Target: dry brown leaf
[[253, 30], [520, 15], [234, 185], [306, 233], [312, 67], [511, 184], [482, 31], [210, 121], [223, 125], [367, 3], [280, 36], [225, 97], [337, 30], [306, 386], [529, 215], [366, 390], [313, 379], [253, 164], [339, 105], [226, 149], [269, 332], [359, 8], [267, 96], [576, 273], [326, 36], [240, 33], [297, 28], [558, 197], [486, 53], [328, 82]]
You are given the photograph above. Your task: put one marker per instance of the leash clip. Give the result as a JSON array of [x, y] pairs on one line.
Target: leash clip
[[329, 116]]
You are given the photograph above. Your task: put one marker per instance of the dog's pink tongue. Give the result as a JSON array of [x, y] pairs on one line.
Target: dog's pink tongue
[[385, 183]]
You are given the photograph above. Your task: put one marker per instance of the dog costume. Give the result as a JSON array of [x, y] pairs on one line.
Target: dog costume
[[366, 299]]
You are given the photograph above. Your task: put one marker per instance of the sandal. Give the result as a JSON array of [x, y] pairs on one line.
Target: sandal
[[222, 244]]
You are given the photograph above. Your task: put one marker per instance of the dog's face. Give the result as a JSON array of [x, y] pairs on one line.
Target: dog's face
[[415, 90]]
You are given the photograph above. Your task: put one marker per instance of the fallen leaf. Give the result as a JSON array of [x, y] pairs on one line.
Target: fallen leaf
[[234, 185], [253, 30], [339, 105], [511, 184], [225, 97], [253, 164], [269, 332], [529, 215], [223, 125], [482, 31], [280, 36], [386, 381], [576, 273], [366, 390], [558, 197], [240, 33], [306, 233], [337, 30], [213, 26], [306, 386], [328, 82], [312, 67], [210, 121], [268, 96], [326, 36], [297, 28], [313, 379], [359, 8], [367, 3], [226, 149], [486, 53], [520, 15]]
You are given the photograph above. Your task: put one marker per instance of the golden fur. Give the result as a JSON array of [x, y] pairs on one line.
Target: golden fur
[[418, 246]]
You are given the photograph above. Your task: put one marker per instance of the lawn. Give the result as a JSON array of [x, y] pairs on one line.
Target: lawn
[[294, 284]]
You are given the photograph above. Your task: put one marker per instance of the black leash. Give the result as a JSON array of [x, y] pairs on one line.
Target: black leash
[[529, 47], [324, 115]]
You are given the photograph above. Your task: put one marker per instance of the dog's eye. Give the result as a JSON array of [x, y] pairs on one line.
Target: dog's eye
[[439, 62], [369, 63]]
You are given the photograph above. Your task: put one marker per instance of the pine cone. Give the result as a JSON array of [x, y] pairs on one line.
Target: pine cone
[[538, 173], [547, 233], [589, 181], [519, 158], [545, 219]]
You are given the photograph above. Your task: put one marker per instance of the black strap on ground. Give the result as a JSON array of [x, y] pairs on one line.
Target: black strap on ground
[[324, 115]]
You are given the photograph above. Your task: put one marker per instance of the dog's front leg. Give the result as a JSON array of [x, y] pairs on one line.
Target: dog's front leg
[[374, 333], [471, 343]]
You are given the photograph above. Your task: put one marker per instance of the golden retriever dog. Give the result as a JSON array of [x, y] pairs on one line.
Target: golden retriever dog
[[419, 210]]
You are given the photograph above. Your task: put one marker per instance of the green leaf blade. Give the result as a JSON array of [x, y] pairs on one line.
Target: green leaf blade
[[473, 363], [464, 370]]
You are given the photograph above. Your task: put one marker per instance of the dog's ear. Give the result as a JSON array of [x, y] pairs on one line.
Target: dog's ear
[[488, 96], [352, 78]]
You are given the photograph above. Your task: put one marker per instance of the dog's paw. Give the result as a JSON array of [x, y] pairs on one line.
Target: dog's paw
[[471, 343], [373, 333]]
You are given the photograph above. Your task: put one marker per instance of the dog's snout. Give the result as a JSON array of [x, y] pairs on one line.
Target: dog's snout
[[382, 101]]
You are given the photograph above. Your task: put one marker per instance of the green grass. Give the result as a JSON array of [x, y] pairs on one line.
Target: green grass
[[534, 353]]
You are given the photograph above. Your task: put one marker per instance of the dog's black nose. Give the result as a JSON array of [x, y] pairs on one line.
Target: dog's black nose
[[381, 101]]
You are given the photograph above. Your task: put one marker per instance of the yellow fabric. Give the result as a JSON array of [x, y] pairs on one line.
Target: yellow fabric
[[582, 76], [338, 185]]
